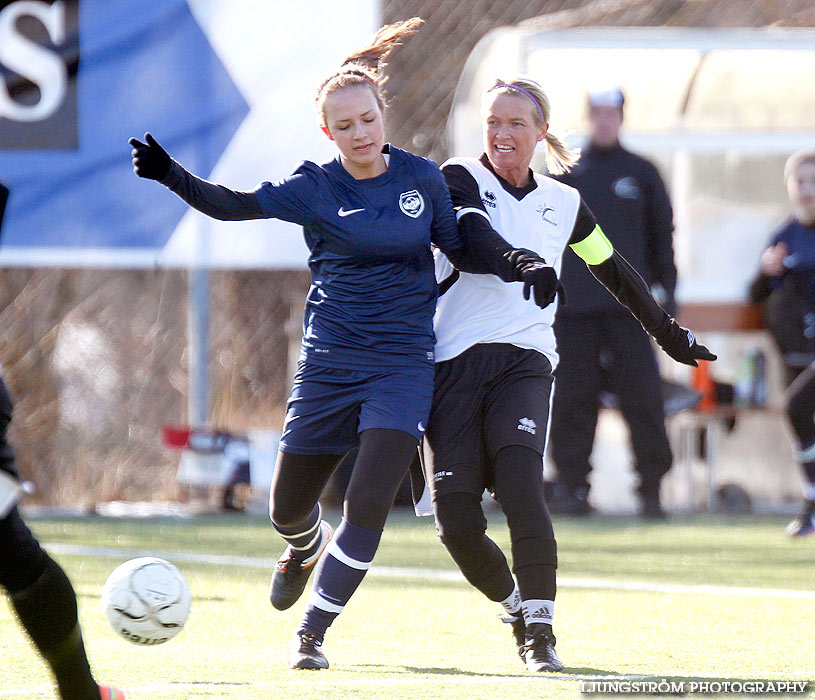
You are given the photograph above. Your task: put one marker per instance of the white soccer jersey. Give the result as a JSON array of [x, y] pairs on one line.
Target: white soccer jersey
[[484, 309]]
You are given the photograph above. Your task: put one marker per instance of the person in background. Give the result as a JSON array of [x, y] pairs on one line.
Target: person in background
[[495, 356], [600, 344], [779, 292], [787, 274], [365, 375]]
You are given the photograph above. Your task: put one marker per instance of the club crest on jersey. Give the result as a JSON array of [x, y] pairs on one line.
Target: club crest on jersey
[[411, 203], [546, 213], [626, 188]]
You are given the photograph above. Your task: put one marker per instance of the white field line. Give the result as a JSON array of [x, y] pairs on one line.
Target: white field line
[[329, 680], [435, 574]]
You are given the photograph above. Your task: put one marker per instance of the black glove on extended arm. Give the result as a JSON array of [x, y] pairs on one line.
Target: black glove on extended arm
[[680, 344], [150, 160]]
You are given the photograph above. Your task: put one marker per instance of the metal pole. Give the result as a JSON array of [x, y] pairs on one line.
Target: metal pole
[[198, 332]]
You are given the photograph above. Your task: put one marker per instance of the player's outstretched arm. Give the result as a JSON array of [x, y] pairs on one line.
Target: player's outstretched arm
[[486, 252], [615, 273], [151, 161]]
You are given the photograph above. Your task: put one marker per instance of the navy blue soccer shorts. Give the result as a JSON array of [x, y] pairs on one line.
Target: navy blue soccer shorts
[[330, 406]]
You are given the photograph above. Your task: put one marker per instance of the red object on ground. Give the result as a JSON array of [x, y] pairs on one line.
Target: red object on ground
[[175, 437]]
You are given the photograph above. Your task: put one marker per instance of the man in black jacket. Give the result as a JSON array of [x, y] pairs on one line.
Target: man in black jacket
[[600, 345]]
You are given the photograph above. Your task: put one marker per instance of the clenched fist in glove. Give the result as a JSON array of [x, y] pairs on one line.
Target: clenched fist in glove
[[540, 280]]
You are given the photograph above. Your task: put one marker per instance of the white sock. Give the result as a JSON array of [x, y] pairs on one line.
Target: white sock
[[809, 491], [325, 537], [537, 611], [512, 603]]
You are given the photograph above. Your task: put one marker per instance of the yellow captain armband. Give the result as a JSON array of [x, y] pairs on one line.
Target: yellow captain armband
[[594, 248]]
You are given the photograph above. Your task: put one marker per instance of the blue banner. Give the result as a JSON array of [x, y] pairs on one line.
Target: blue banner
[[77, 79]]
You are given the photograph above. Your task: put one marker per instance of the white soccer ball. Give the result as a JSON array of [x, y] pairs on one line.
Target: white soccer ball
[[147, 600]]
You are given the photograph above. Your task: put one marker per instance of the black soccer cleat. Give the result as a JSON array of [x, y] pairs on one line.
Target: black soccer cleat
[[290, 575], [518, 628], [538, 651], [304, 652], [804, 522]]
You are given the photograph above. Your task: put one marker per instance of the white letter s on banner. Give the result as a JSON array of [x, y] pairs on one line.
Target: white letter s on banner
[[30, 60]]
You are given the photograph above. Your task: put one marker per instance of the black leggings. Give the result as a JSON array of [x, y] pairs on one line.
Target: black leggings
[[462, 529], [381, 465], [6, 453], [800, 405], [22, 560]]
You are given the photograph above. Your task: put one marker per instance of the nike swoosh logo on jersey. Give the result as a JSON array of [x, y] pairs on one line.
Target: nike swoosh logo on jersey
[[347, 212]]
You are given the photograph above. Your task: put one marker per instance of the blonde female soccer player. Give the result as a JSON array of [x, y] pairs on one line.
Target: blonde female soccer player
[[495, 361]]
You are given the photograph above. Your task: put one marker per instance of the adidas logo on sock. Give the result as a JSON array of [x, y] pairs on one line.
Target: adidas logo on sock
[[541, 613]]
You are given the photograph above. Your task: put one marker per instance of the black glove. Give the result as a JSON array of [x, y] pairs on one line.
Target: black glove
[[520, 257], [532, 270], [541, 279], [150, 160], [681, 345]]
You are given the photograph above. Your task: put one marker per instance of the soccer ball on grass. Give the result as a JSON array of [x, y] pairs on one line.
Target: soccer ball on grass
[[147, 600]]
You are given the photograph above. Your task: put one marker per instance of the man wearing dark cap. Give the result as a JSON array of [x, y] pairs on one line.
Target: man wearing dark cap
[[601, 347]]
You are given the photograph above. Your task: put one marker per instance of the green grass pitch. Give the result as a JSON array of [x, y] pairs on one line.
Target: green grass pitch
[[695, 599]]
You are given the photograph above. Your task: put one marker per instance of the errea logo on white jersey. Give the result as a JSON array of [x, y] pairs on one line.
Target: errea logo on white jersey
[[411, 203], [527, 425]]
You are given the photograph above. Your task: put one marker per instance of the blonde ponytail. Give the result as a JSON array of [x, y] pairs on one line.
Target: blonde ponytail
[[559, 158]]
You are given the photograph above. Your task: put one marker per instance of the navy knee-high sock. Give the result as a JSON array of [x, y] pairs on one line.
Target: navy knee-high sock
[[339, 573]]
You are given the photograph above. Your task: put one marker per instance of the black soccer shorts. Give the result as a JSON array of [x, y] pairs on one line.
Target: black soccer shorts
[[491, 396]]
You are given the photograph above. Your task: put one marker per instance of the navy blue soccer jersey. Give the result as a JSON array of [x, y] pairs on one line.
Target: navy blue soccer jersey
[[799, 263], [373, 290]]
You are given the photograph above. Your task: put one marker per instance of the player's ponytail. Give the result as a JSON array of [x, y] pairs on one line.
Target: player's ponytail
[[365, 67], [373, 56], [559, 158]]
